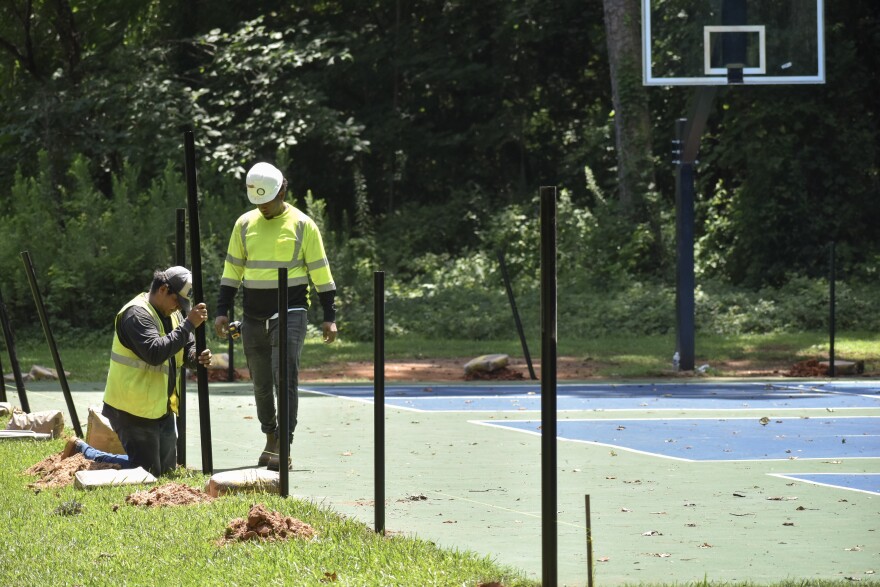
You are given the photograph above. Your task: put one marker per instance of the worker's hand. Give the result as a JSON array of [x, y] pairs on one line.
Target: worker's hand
[[198, 314], [206, 358], [221, 326], [329, 329]]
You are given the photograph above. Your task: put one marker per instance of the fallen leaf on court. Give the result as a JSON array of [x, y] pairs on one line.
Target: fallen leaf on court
[[782, 498], [248, 417], [450, 522], [621, 427], [658, 554], [832, 462], [625, 510], [347, 453], [788, 523], [691, 525], [746, 514], [603, 559], [764, 421], [660, 513], [738, 495], [652, 533], [854, 549], [705, 545]]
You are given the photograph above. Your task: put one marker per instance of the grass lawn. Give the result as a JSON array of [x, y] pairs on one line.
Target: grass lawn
[[110, 542], [66, 536]]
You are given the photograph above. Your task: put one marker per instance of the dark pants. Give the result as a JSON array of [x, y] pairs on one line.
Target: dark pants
[[151, 444], [260, 342]]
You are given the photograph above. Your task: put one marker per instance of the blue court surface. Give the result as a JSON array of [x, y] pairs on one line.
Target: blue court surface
[[776, 436], [608, 397], [727, 439]]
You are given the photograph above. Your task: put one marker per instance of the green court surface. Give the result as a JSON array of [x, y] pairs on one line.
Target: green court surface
[[731, 481]]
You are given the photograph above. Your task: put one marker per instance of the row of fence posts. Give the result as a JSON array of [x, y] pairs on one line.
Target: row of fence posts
[[548, 360]]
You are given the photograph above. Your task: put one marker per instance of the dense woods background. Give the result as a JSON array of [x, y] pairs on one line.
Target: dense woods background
[[417, 132]]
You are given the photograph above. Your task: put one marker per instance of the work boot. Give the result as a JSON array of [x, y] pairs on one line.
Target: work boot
[[268, 450], [71, 447], [275, 461]]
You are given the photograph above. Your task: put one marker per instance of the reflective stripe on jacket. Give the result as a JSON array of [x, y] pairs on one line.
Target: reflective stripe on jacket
[[259, 247], [133, 385]]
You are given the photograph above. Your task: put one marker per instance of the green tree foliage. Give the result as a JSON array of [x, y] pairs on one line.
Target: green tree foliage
[[91, 251], [420, 132]]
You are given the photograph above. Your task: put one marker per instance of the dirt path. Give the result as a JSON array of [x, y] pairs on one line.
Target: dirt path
[[568, 368]]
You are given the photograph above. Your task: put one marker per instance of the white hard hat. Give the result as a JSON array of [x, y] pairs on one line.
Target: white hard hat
[[263, 183]]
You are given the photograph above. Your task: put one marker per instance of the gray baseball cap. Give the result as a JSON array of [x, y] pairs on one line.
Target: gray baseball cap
[[180, 282]]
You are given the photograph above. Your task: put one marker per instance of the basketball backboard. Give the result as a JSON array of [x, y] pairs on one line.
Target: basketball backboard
[[720, 42]]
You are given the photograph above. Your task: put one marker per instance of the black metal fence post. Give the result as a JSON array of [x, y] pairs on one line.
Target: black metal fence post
[[9, 337], [195, 244], [53, 348], [230, 351], [548, 387], [283, 399], [832, 281], [519, 327], [379, 397], [180, 256]]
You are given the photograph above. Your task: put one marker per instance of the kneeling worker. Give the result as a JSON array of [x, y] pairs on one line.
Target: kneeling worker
[[153, 337]]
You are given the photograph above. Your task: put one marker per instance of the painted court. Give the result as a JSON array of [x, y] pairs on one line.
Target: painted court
[[722, 480]]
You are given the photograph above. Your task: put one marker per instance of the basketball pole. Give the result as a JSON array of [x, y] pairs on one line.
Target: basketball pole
[[686, 146]]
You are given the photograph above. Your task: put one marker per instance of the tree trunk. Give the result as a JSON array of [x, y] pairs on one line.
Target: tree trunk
[[632, 120]]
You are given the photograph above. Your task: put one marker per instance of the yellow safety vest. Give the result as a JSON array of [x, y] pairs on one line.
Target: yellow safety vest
[[133, 385], [259, 247]]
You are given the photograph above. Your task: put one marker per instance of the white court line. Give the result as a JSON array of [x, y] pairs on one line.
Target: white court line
[[502, 426], [790, 477]]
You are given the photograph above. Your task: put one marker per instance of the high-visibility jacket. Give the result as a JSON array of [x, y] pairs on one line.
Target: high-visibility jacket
[[133, 385], [259, 247]]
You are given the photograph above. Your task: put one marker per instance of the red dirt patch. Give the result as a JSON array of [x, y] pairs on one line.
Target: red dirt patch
[[266, 525], [57, 472], [168, 494], [452, 369], [809, 368]]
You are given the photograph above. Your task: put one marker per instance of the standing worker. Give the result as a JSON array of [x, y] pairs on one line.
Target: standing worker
[[274, 235], [153, 337]]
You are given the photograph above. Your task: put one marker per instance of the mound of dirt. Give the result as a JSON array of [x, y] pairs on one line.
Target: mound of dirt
[[57, 472], [809, 368], [168, 494], [263, 524]]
